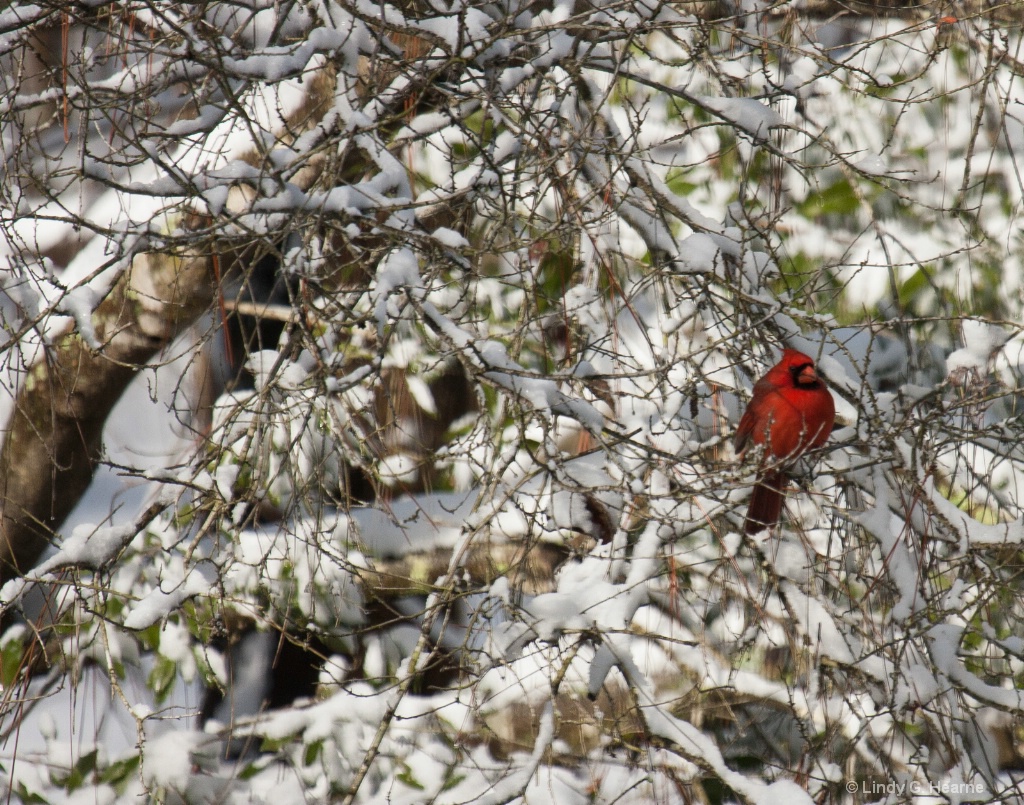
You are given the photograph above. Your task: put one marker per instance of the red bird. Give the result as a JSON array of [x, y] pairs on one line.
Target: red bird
[[790, 412]]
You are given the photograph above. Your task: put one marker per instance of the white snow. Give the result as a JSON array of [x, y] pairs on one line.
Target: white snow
[[835, 182], [160, 602], [746, 113]]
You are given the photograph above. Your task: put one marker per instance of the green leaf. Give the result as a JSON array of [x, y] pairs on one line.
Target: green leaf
[[836, 199], [80, 772], [120, 771], [406, 777], [914, 286], [150, 636], [313, 751], [250, 771], [162, 677], [24, 796], [453, 781], [11, 658]]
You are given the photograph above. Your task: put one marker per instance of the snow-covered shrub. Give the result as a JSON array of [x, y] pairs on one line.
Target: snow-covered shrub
[[526, 262]]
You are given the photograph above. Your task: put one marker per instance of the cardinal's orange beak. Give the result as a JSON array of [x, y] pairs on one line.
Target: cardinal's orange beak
[[807, 376]]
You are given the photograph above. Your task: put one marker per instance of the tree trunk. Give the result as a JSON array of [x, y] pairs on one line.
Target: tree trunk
[[53, 440]]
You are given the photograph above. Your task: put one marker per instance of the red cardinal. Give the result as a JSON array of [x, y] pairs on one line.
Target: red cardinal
[[790, 412]]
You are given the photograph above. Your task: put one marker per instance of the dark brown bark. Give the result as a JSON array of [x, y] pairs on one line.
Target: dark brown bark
[[905, 9], [53, 440]]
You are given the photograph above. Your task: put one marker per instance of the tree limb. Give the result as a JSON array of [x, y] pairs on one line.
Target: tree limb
[[53, 440]]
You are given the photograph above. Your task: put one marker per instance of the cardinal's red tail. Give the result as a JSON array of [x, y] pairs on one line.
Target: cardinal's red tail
[[765, 502]]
